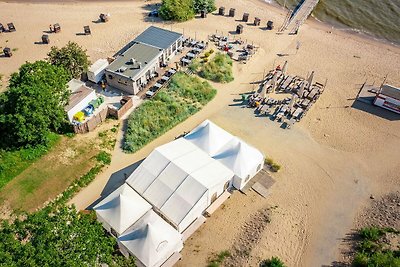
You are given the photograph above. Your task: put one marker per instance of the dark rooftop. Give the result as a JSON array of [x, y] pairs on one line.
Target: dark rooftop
[[134, 60], [158, 37], [390, 91]]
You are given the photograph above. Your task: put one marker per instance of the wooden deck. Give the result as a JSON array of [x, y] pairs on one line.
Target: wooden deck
[[193, 227]]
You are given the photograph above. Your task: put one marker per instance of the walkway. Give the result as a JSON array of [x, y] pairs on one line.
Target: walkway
[[299, 15]]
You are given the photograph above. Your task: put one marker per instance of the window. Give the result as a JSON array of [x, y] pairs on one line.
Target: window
[[114, 233]]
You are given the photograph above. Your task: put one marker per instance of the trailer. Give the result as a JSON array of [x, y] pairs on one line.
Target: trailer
[[96, 71]]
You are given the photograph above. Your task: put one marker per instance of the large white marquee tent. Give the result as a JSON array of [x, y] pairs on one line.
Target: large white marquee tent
[[151, 240], [180, 180], [172, 188]]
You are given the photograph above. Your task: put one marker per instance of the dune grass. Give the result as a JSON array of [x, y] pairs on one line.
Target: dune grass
[[218, 69], [184, 96]]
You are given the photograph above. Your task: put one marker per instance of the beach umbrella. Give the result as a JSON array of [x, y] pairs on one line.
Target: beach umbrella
[[310, 79], [263, 91], [301, 90], [284, 68], [274, 80], [292, 101]]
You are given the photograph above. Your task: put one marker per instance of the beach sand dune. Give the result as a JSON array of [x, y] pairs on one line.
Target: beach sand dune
[[332, 160]]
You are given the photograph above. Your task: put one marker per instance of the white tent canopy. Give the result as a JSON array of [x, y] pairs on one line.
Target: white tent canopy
[[151, 240], [244, 160], [121, 209], [209, 137], [178, 178]]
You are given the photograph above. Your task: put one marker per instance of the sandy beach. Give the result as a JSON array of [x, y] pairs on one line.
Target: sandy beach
[[332, 161]]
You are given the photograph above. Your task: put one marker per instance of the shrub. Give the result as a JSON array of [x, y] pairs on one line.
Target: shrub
[[371, 252], [273, 262], [185, 96], [200, 5], [104, 157], [218, 259], [272, 165], [219, 69]]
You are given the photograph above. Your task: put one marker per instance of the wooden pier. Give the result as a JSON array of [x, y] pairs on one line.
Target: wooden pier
[[297, 16]]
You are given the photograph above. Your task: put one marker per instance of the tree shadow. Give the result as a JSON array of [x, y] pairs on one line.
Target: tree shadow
[[233, 33], [81, 34]]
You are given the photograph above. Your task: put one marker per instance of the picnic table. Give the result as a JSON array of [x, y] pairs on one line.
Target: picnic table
[[185, 60], [165, 78], [191, 55]]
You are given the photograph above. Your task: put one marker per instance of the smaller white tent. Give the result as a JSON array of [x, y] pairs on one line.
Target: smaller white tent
[[122, 208], [209, 137], [151, 240], [244, 160]]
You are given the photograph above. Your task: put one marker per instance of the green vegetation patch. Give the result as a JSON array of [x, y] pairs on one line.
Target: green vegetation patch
[[372, 250], [12, 163], [218, 259], [273, 262], [218, 69], [275, 167], [183, 10], [184, 96]]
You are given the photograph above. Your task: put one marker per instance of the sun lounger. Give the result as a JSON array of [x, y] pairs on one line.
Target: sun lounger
[[287, 82], [197, 50], [157, 85], [165, 78]]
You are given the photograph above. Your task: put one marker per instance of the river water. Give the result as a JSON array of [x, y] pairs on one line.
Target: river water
[[377, 18]]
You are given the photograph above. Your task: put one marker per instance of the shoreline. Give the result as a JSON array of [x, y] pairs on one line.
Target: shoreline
[[346, 30]]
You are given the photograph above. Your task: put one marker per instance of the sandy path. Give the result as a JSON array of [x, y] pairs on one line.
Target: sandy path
[[331, 161]]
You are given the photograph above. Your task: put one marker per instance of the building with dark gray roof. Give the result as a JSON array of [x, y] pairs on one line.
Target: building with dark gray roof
[[158, 37], [136, 66]]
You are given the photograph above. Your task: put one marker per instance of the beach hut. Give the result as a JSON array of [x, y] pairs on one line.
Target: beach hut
[[245, 17], [121, 209], [270, 25], [7, 52], [152, 241], [11, 27], [87, 31], [239, 29], [104, 17], [203, 13], [96, 71], [257, 21], [45, 39], [221, 11], [232, 12], [56, 28], [2, 29], [388, 97]]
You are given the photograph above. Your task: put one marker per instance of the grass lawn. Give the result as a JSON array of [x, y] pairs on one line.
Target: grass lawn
[[50, 175], [184, 96], [12, 163]]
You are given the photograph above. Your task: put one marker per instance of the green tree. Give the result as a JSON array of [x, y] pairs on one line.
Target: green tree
[[34, 105], [200, 5], [71, 57], [58, 236], [178, 10]]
